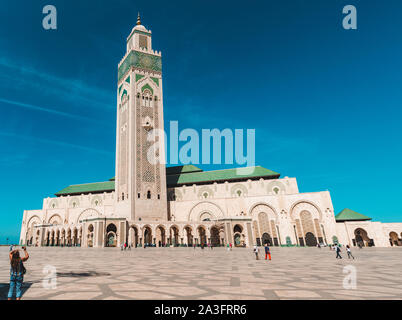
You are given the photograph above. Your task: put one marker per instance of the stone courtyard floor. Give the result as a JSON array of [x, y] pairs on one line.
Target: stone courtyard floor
[[185, 273]]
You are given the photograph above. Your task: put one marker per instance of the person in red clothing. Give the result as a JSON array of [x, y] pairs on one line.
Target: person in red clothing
[[267, 252]]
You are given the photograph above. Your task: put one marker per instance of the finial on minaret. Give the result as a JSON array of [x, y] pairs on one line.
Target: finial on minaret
[[138, 19]]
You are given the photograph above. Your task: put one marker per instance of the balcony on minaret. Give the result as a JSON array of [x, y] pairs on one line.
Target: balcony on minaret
[[147, 123]]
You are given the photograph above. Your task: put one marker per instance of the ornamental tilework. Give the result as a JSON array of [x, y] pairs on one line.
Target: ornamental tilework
[[140, 60]]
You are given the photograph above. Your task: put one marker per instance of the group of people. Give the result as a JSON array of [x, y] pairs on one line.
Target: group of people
[[125, 246], [266, 249], [337, 248]]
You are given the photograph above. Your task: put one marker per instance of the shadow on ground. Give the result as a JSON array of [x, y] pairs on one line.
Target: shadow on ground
[[82, 274], [4, 287]]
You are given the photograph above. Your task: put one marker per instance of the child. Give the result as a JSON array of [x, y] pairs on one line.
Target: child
[[267, 252]]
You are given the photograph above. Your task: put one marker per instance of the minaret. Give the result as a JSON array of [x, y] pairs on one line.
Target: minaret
[[140, 183]]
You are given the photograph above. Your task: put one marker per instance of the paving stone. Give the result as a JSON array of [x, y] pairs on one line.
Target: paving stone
[[182, 273]]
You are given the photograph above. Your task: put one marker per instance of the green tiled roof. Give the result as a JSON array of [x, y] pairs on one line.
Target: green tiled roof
[[182, 169], [218, 175], [176, 176], [96, 187], [350, 215], [177, 170]]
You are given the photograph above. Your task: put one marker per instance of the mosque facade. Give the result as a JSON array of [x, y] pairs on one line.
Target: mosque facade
[[147, 203]]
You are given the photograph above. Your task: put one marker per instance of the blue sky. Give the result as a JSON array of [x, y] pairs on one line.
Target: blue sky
[[325, 102]]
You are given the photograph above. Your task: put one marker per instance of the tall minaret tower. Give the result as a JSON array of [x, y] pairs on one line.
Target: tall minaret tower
[[140, 180]]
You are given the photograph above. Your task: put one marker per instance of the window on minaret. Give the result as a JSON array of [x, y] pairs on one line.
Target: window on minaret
[[122, 196], [149, 194], [143, 42]]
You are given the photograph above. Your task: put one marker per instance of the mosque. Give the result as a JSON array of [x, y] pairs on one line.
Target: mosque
[[150, 204]]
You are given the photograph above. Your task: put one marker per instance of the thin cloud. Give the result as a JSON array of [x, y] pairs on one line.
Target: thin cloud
[[52, 111], [69, 89], [55, 142]]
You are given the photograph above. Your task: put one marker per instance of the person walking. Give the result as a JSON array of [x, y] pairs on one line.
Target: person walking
[[349, 252], [267, 252], [338, 251], [256, 252], [17, 272]]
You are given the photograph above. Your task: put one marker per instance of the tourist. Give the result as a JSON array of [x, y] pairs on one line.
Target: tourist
[[338, 250], [349, 252], [256, 252], [230, 245], [17, 272], [194, 246], [267, 252], [11, 247], [122, 247]]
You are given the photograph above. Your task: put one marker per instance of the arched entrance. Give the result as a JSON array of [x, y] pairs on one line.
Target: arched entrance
[[62, 238], [266, 238], [215, 236], [57, 238], [174, 235], [311, 240], [238, 236], [202, 235], [160, 236], [68, 239], [111, 235], [133, 236], [362, 239], [47, 240], [147, 236], [393, 239], [189, 235], [75, 237], [52, 239]]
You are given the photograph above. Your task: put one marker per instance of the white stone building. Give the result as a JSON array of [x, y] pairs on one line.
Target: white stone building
[[149, 204]]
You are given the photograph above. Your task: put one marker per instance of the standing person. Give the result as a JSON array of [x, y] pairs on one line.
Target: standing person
[[230, 245], [256, 252], [338, 250], [227, 246], [349, 252], [11, 247], [17, 272], [267, 252], [194, 245]]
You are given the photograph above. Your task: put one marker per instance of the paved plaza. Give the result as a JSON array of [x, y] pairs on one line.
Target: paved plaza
[[185, 273]]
